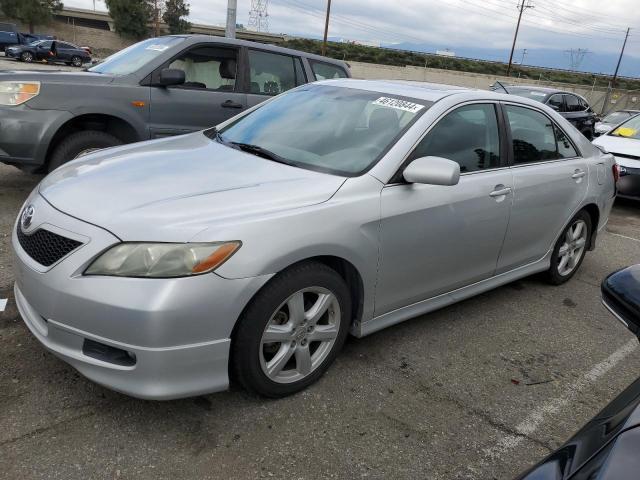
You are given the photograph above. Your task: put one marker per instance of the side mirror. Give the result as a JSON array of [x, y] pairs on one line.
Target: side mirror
[[621, 296], [432, 171], [171, 76]]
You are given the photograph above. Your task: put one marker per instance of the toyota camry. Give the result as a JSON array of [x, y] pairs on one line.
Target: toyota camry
[[248, 252]]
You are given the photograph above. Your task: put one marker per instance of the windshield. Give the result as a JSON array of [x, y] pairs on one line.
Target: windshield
[[336, 130], [137, 55], [532, 94], [616, 117], [629, 129]]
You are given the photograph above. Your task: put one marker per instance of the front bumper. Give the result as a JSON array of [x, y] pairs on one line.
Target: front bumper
[[176, 332]]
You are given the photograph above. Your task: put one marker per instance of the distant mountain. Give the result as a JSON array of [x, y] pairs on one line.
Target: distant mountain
[[550, 58]]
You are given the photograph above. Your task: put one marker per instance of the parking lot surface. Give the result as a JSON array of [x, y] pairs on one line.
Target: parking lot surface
[[478, 390]]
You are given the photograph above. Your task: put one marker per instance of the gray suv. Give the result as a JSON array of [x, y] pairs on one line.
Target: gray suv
[[155, 88]]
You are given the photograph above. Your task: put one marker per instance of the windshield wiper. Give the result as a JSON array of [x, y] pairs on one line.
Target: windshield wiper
[[262, 152]]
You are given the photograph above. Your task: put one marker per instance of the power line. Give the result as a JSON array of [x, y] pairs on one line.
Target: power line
[[259, 15], [522, 7]]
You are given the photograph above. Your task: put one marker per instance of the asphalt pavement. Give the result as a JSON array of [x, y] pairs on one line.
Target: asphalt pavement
[[479, 390]]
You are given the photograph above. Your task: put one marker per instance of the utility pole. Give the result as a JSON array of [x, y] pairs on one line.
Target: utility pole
[[615, 74], [232, 7], [522, 6], [326, 29]]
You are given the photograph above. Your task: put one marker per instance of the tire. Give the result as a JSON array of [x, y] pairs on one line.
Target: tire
[[560, 272], [252, 358], [80, 143], [27, 57], [76, 61]]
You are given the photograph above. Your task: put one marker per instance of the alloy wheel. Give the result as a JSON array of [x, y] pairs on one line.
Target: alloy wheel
[[27, 57], [300, 335], [573, 248], [76, 61]]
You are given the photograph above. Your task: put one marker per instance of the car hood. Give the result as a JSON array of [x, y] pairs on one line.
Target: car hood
[[621, 148], [56, 76], [172, 189]]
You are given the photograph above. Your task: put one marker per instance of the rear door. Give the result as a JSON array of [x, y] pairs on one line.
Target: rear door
[[212, 91], [64, 51], [434, 239], [271, 73], [550, 180]]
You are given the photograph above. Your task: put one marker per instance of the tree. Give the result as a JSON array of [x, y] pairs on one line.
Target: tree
[[30, 12], [130, 17], [174, 10]]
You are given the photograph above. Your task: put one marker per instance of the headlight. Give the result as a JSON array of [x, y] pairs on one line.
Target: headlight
[[16, 93], [162, 260]]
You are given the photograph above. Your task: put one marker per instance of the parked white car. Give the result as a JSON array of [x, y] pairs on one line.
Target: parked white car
[[624, 143]]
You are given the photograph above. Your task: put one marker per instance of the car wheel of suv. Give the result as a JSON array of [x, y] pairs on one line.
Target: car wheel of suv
[[76, 61], [26, 57], [291, 331], [81, 143], [570, 249]]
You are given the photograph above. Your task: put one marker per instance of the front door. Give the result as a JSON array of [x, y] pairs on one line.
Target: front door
[[435, 239], [550, 181], [210, 95]]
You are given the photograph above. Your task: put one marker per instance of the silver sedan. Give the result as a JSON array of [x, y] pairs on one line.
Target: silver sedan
[[250, 251]]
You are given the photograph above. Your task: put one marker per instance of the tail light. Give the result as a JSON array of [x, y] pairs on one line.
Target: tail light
[[616, 172]]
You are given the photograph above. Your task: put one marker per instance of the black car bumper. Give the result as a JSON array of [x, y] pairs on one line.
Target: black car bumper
[[629, 183]]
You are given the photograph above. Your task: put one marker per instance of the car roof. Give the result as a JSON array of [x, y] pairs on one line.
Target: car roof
[[535, 88], [196, 38], [425, 91]]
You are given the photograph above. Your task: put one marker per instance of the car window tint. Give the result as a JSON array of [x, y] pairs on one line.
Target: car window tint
[[301, 77], [532, 135], [565, 148], [573, 103], [468, 135], [555, 101], [325, 71], [210, 68], [271, 73], [65, 45]]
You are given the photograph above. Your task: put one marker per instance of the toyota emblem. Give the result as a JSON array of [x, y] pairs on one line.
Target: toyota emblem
[[27, 217]]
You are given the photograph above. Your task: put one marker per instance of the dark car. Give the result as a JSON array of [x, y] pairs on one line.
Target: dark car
[[53, 51], [570, 105], [9, 36], [608, 447], [155, 88]]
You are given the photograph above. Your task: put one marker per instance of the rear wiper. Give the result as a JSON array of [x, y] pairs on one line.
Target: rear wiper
[[262, 152]]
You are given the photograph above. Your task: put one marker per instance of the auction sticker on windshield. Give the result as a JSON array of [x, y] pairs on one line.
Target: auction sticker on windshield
[[399, 104]]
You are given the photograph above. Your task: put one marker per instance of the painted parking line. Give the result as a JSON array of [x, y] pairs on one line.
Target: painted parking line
[[3, 304], [540, 415], [623, 236]]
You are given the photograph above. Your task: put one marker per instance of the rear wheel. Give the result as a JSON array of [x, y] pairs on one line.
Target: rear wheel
[[291, 331], [76, 61], [81, 143], [26, 57], [570, 249]]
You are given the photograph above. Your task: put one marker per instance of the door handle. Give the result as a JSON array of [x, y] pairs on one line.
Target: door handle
[[500, 191], [578, 174], [231, 104]]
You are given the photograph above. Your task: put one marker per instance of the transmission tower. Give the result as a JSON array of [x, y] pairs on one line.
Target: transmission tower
[[258, 15], [576, 56]]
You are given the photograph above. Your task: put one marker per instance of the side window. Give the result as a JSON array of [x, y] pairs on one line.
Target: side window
[[469, 135], [573, 103], [532, 134], [565, 148], [556, 102], [301, 77], [209, 67], [326, 71], [271, 73]]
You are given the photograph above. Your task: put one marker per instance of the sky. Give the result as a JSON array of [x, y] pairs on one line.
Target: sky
[[440, 24]]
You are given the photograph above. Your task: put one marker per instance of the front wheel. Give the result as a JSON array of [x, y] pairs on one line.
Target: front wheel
[[79, 144], [291, 331], [570, 249]]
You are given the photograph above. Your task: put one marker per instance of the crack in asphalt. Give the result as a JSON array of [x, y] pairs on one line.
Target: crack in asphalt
[[46, 428]]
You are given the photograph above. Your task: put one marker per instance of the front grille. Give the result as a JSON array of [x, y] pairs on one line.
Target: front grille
[[46, 247]]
